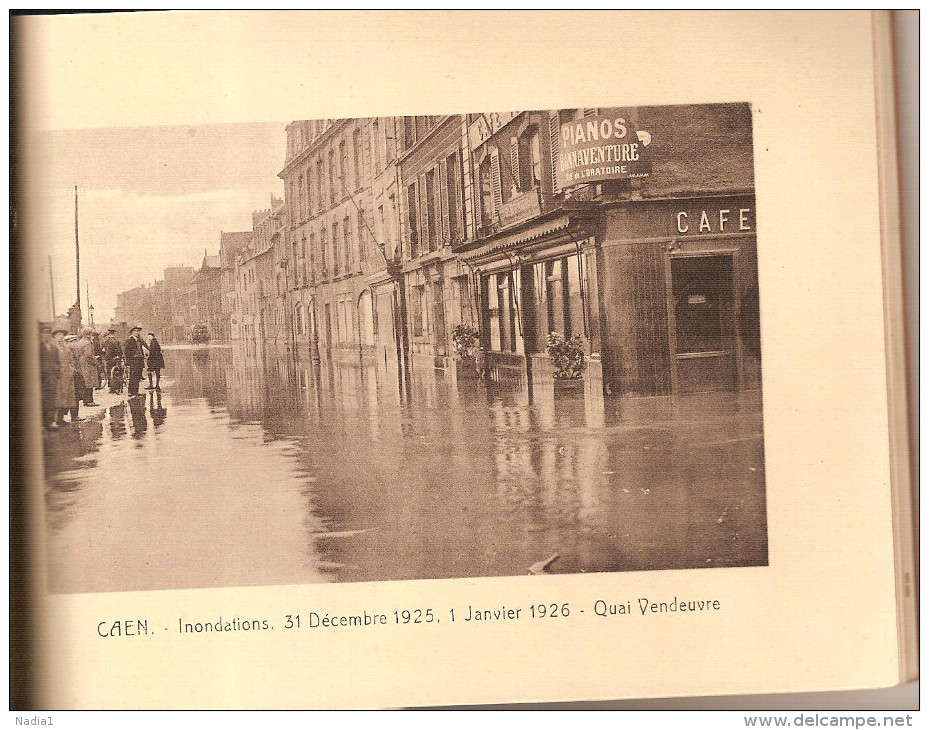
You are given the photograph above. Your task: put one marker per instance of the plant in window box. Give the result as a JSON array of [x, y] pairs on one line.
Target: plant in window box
[[568, 356]]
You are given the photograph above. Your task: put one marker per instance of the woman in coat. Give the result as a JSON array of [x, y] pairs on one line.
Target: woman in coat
[[66, 399], [156, 362]]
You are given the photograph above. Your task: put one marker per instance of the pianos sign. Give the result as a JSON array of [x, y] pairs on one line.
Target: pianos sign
[[598, 148]]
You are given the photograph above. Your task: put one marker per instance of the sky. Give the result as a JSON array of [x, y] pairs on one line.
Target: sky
[[148, 198]]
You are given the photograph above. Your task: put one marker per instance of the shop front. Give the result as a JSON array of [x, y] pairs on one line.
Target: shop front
[[680, 296], [537, 279]]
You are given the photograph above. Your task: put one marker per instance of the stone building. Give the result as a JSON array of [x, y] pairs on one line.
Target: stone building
[[257, 313], [436, 215], [329, 238], [206, 298], [231, 245]]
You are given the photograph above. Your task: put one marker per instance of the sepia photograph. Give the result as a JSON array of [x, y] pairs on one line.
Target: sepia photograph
[[354, 364], [400, 348]]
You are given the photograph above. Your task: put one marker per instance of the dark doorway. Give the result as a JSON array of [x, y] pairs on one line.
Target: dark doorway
[[704, 330]]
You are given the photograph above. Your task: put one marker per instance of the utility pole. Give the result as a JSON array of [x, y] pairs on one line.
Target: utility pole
[[51, 283], [77, 251], [90, 307]]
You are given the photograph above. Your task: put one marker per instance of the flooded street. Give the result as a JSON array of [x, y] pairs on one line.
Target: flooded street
[[240, 473]]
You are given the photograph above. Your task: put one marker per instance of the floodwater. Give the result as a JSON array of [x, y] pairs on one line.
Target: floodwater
[[257, 471]]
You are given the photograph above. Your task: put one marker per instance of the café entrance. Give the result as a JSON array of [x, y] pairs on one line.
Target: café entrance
[[704, 332]]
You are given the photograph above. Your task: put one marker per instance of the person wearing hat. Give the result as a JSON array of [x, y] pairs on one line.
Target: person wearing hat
[[66, 397], [48, 362], [112, 357], [156, 362], [134, 354], [87, 362]]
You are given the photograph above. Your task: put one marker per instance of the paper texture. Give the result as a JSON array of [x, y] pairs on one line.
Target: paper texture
[[820, 616]]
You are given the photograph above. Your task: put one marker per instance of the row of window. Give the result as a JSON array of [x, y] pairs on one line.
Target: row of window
[[332, 250], [503, 178], [337, 173], [435, 207]]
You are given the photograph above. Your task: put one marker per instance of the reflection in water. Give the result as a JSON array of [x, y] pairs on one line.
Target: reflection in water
[[294, 471]]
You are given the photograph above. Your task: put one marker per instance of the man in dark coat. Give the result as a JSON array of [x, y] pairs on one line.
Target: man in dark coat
[[156, 362], [112, 356], [48, 361], [134, 354]]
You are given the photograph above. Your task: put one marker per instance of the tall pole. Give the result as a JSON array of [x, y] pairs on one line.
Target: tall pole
[[77, 251], [51, 283]]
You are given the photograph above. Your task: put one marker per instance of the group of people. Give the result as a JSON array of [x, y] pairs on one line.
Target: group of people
[[71, 368]]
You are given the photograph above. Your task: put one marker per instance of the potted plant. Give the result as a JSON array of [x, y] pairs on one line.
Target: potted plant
[[569, 358], [464, 340]]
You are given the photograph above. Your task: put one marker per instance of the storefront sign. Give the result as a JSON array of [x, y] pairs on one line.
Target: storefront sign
[[486, 125], [520, 208], [599, 148], [716, 220]]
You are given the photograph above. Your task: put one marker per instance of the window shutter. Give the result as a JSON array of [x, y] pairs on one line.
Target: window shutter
[[442, 202], [496, 187], [554, 130], [514, 161], [421, 203]]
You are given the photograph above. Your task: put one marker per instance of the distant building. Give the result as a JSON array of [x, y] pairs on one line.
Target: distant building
[[231, 245], [177, 279], [205, 297], [159, 307], [257, 302]]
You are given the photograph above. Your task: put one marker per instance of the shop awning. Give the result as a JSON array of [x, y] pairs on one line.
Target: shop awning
[[513, 240]]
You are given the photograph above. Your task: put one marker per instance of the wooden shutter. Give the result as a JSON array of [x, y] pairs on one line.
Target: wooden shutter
[[496, 186], [554, 130], [514, 161], [422, 203], [442, 202]]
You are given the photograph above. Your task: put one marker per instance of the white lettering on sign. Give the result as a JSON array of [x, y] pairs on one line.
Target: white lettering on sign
[[593, 131], [722, 221]]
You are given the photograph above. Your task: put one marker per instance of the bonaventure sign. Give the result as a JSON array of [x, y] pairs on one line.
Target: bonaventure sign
[[601, 147]]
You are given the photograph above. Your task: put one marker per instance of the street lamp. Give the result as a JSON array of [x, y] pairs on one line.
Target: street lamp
[[90, 311]]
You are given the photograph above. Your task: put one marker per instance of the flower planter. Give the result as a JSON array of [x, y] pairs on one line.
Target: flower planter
[[465, 368], [569, 385]]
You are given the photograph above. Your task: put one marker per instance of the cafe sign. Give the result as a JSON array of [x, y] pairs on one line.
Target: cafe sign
[[486, 125], [600, 148]]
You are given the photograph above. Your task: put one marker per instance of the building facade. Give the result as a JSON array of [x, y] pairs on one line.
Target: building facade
[[329, 239], [206, 297], [158, 307], [435, 202]]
